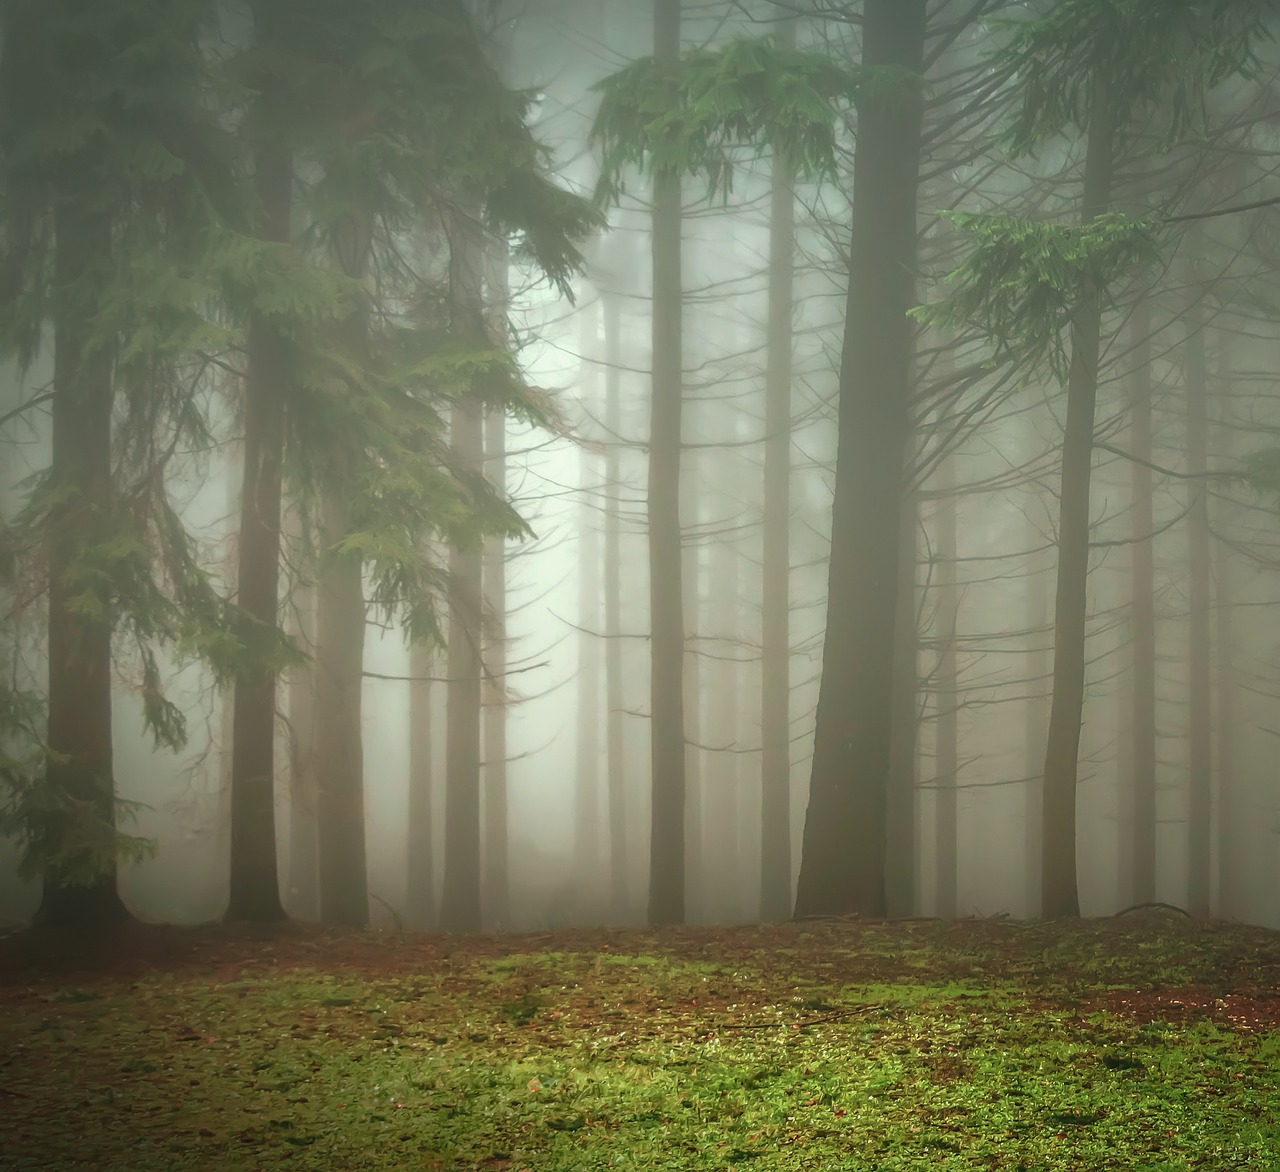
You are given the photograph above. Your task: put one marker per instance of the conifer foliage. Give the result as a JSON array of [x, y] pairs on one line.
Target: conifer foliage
[[153, 227]]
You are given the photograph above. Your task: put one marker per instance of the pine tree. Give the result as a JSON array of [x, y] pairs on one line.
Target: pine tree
[[1093, 68], [116, 213]]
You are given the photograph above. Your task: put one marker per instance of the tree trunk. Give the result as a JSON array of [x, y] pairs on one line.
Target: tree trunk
[[1200, 686], [255, 887], [339, 666], [1059, 893], [420, 900], [617, 779], [460, 905], [842, 868], [586, 826], [775, 628], [695, 791], [946, 759], [1230, 886], [666, 706], [1142, 620], [497, 847], [340, 634], [79, 697], [1039, 680], [303, 885], [900, 826], [722, 780]]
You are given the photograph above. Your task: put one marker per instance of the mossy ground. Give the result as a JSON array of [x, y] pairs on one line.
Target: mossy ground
[[1133, 1043]]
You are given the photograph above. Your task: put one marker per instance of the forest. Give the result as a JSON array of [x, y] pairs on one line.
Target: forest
[[461, 474], [637, 583]]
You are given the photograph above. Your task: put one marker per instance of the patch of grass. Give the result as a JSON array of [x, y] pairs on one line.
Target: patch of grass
[[880, 1047]]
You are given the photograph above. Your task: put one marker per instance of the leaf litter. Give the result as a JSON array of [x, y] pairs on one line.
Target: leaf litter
[[1133, 1042]]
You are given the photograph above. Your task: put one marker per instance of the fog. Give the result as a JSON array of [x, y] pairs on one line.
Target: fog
[[572, 689]]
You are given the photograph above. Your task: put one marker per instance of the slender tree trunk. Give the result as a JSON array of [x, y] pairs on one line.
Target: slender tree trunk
[[775, 619], [586, 830], [947, 730], [255, 886], [843, 863], [420, 900], [339, 669], [900, 830], [1059, 892], [695, 789], [1142, 620], [497, 884], [460, 909], [666, 705], [617, 784], [1230, 888], [722, 865], [1039, 681], [340, 635], [1200, 685], [79, 697], [303, 884], [497, 847]]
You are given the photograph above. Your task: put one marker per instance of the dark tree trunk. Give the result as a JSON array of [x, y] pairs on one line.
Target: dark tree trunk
[[695, 791], [79, 697], [497, 847], [303, 886], [1230, 871], [340, 634], [617, 783], [497, 884], [460, 904], [1059, 893], [420, 898], [721, 780], [1200, 685], [1039, 681], [842, 868], [1141, 853], [339, 761], [586, 826], [775, 629], [947, 756], [900, 817], [255, 886], [666, 706], [460, 899]]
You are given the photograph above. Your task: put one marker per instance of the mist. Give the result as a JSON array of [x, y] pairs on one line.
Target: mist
[[1175, 799]]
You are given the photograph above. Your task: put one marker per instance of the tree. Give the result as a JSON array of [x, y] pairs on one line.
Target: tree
[[842, 869], [1199, 681], [775, 648], [666, 609], [1093, 68], [1142, 617], [255, 888], [460, 903], [393, 106], [670, 118], [109, 150], [946, 755]]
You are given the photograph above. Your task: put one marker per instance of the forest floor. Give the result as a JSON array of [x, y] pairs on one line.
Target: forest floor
[[1144, 1041]]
